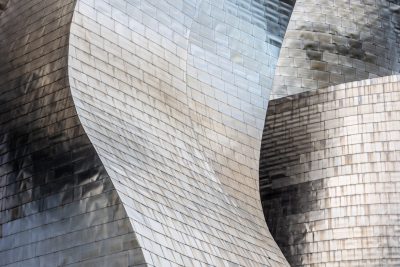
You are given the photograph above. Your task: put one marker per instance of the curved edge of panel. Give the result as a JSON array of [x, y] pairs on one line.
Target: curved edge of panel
[[58, 206], [128, 73]]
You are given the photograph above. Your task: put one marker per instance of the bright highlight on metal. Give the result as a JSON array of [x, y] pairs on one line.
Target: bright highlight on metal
[[134, 133]]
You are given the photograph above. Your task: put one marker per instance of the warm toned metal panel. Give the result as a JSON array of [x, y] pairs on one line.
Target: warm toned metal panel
[[331, 172], [173, 96], [332, 42], [58, 206]]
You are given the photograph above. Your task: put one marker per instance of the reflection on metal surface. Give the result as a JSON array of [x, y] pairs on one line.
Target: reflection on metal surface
[[58, 206], [331, 197], [146, 153], [173, 98], [328, 164], [130, 133], [108, 148], [332, 42]]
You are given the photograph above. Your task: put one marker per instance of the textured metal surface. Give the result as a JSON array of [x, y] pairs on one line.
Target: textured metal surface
[[331, 173], [332, 42], [231, 61], [172, 94], [329, 158], [58, 206], [172, 97]]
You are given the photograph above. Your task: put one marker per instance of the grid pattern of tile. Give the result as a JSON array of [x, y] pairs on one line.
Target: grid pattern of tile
[[58, 206], [172, 96], [232, 53], [332, 178], [332, 42]]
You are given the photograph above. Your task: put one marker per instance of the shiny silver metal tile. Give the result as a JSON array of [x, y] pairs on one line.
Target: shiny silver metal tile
[[332, 42], [58, 206], [329, 174], [173, 98], [328, 156], [130, 132]]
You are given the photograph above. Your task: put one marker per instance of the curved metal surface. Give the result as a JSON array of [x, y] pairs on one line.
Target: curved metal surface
[[332, 42], [328, 158], [130, 137], [58, 206], [231, 60], [170, 96], [332, 198]]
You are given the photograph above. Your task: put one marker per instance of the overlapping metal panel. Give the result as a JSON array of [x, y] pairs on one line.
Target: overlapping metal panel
[[130, 132]]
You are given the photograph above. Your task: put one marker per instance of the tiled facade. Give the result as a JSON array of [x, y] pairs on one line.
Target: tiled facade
[[131, 131], [332, 175], [58, 206], [331, 42], [173, 98], [329, 158]]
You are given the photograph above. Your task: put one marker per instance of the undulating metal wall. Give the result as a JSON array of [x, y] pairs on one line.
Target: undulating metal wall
[[58, 206], [333, 194], [172, 94], [232, 52]]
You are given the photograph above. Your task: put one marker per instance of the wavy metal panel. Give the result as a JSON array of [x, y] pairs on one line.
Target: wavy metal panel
[[171, 97], [58, 206]]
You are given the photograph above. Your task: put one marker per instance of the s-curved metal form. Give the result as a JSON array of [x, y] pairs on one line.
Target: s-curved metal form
[[58, 204], [130, 131], [173, 100]]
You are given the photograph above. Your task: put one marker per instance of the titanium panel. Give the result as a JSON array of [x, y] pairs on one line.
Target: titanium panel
[[329, 158], [170, 97], [58, 206], [150, 157], [230, 66], [331, 174], [333, 42]]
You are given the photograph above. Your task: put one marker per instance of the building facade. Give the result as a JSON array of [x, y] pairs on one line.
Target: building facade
[[131, 133], [329, 170]]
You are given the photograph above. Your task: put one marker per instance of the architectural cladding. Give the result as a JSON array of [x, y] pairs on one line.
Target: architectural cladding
[[58, 204], [131, 130], [331, 42], [329, 168], [332, 197]]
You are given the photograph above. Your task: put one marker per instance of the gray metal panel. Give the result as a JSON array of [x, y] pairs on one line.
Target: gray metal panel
[[173, 96], [332, 42], [58, 206], [229, 79], [330, 174], [328, 157]]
